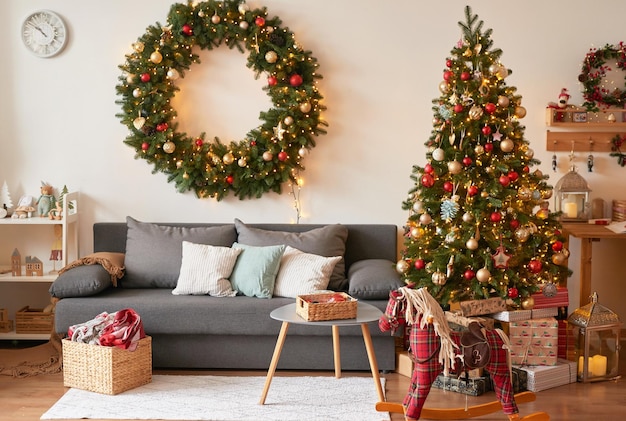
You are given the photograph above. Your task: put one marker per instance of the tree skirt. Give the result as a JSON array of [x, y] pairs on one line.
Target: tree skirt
[[223, 398]]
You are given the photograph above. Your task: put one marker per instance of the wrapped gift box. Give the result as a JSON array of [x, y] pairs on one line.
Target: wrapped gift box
[[534, 341], [546, 377], [404, 363], [474, 386], [561, 299], [542, 313], [458, 322], [511, 316], [481, 307], [519, 379]]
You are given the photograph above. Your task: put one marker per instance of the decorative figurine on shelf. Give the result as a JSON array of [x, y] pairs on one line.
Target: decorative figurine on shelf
[[6, 203], [56, 252], [34, 266], [46, 201], [16, 263], [24, 208], [561, 104]]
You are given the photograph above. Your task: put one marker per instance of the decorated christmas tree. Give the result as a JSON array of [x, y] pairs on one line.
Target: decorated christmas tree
[[479, 224]]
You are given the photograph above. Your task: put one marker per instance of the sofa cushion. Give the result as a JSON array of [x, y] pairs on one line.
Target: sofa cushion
[[205, 270], [328, 241], [256, 269], [81, 281], [373, 279], [303, 273], [154, 251]]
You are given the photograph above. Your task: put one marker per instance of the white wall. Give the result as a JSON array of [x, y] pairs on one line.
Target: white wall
[[381, 61]]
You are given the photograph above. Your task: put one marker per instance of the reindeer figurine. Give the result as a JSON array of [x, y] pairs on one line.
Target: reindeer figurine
[[435, 349]]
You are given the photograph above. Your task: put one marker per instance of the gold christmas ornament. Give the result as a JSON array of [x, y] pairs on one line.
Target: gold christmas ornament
[[418, 206], [528, 303], [305, 107], [228, 158], [215, 19], [137, 93], [520, 112], [558, 258], [169, 147], [471, 244], [524, 193], [522, 234], [138, 46], [503, 101], [267, 156], [444, 87], [467, 217], [439, 278], [139, 122], [483, 275], [425, 219], [507, 145], [288, 120], [416, 232], [156, 57], [454, 167], [271, 56], [402, 266], [172, 74], [242, 162], [479, 149], [475, 112], [302, 152]]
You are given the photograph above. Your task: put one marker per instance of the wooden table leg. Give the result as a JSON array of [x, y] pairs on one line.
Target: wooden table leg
[[277, 350], [336, 351], [371, 356], [585, 270]]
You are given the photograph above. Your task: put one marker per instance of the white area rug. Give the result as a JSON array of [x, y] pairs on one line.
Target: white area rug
[[225, 398]]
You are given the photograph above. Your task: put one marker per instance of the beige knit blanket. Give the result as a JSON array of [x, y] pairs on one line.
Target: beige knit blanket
[[113, 263]]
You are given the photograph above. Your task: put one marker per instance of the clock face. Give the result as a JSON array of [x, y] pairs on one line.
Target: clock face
[[44, 33]]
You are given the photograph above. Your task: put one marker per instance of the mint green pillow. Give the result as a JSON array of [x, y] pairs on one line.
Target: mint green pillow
[[255, 272]]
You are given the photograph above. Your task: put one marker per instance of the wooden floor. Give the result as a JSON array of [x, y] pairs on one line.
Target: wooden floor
[[28, 398]]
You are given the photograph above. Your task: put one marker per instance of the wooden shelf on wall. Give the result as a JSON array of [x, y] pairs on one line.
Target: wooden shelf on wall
[[581, 119], [579, 141]]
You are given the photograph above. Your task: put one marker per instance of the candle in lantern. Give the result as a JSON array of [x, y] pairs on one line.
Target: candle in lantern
[[570, 209], [598, 364]]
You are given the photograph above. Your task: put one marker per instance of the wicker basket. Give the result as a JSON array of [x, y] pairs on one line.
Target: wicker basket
[[33, 320], [104, 369], [314, 307], [6, 325]]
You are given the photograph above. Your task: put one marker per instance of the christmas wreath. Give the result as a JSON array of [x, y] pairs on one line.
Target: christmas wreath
[[594, 69], [271, 153]]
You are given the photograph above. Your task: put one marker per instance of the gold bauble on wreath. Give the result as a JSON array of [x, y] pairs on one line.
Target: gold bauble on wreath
[[271, 153]]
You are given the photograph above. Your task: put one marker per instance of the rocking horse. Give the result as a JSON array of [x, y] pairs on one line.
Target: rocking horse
[[435, 348]]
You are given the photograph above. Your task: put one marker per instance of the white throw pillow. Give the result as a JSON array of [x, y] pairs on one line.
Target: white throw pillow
[[205, 270], [303, 273]]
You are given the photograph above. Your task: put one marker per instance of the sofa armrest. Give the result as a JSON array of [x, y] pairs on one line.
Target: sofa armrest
[[81, 281], [373, 279]]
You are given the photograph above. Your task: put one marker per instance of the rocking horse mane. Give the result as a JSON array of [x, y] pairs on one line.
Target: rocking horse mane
[[420, 307]]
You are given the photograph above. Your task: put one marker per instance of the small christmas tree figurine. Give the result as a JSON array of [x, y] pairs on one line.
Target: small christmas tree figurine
[[478, 224], [5, 199]]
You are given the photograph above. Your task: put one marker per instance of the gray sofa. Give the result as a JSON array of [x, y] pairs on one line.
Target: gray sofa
[[208, 332]]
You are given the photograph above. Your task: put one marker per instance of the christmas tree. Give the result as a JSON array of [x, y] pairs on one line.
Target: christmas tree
[[5, 197], [479, 224]]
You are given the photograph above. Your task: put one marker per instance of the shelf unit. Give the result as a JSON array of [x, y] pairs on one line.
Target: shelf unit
[[69, 243], [579, 130]]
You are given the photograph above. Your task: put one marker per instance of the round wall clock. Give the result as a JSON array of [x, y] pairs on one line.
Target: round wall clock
[[44, 33]]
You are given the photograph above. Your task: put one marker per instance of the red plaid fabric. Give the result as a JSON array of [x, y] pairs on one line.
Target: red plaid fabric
[[424, 346]]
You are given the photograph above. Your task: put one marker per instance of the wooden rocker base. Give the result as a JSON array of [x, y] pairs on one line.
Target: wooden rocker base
[[470, 412]]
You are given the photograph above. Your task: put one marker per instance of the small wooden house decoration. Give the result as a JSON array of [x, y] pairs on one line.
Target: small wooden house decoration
[[16, 263], [34, 266]]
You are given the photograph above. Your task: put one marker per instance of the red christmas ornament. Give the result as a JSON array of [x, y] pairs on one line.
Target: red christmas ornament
[[458, 108], [490, 108], [229, 179], [465, 76], [282, 156], [253, 143], [448, 63], [420, 264], [535, 266], [448, 186], [488, 147], [295, 80], [495, 217], [504, 180], [472, 190], [145, 146], [447, 75], [145, 77], [469, 274], [513, 292], [260, 21], [428, 168], [467, 161], [514, 224], [513, 175], [486, 130], [428, 180], [272, 81], [557, 246], [526, 169], [161, 127], [187, 30], [199, 142], [557, 232]]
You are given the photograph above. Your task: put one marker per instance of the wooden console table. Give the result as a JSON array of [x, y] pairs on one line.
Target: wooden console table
[[587, 234]]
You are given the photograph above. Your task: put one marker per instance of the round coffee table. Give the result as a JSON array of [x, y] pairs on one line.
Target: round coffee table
[[366, 313]]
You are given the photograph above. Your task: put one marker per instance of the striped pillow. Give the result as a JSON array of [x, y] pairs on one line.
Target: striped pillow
[[205, 270], [303, 273]]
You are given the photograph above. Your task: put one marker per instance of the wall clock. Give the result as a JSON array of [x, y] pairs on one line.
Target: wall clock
[[44, 33]]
